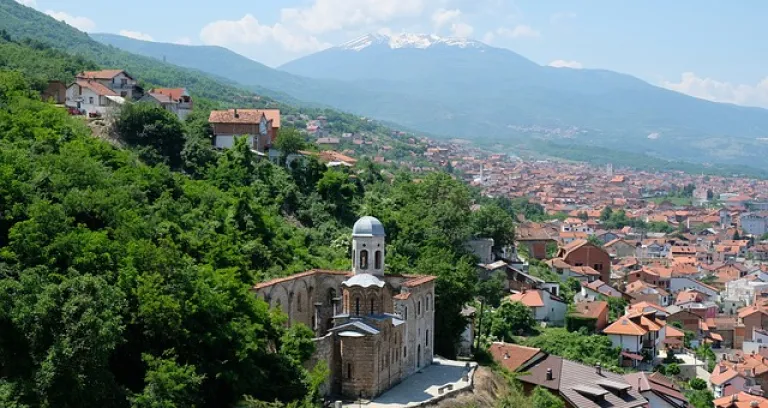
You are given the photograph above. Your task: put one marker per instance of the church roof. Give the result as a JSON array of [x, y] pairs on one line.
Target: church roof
[[368, 227], [364, 280], [356, 326]]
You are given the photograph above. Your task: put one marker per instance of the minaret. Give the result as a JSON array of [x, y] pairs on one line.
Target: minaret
[[368, 239]]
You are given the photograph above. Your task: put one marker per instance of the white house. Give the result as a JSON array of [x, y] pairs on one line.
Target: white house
[[637, 333], [175, 100], [677, 284], [91, 97], [545, 306], [117, 80]]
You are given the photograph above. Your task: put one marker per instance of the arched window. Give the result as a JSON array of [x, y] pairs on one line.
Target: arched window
[[357, 306], [377, 259], [418, 308], [331, 296], [429, 301], [349, 371], [372, 304], [364, 259]]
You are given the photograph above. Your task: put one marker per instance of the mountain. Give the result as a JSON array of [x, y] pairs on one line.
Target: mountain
[[457, 87]]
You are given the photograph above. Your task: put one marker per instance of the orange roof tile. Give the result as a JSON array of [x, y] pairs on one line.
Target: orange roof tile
[[625, 326], [530, 298], [245, 116], [512, 356], [96, 87], [103, 74]]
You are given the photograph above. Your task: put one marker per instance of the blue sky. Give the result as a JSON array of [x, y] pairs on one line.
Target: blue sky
[[710, 49]]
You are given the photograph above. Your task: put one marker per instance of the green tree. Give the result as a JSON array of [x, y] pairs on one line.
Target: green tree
[[289, 141], [583, 216], [168, 384], [542, 398], [697, 384], [673, 369], [616, 307], [606, 214], [153, 129], [491, 290], [594, 240], [579, 346], [491, 221], [336, 188], [512, 319], [700, 398]]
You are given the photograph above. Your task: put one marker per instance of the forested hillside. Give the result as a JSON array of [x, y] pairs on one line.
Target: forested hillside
[[125, 274]]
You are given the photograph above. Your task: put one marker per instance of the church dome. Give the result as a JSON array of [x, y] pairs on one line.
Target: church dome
[[368, 227], [364, 280]]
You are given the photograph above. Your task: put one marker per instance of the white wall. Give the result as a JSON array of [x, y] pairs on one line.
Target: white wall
[[631, 343], [227, 141]]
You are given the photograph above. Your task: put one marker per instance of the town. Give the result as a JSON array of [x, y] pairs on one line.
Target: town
[[668, 267], [401, 220]]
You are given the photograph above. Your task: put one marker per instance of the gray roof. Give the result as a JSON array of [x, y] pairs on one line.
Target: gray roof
[[365, 280], [356, 325], [368, 227], [579, 384]]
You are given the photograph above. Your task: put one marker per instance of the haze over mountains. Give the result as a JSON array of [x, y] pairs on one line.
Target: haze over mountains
[[462, 88]]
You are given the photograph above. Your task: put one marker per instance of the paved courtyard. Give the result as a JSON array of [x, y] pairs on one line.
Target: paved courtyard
[[422, 387]]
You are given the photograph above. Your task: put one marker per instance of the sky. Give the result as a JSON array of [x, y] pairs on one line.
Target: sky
[[705, 48]]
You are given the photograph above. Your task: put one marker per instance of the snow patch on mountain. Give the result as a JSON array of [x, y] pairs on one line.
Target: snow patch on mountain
[[409, 41]]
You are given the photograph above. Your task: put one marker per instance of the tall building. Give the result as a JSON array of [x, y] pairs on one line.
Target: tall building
[[372, 330]]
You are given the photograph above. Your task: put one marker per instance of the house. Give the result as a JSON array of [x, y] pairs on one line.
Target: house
[[260, 126], [119, 81], [731, 376], [596, 310], [92, 98], [619, 248], [752, 317], [535, 238], [544, 306], [580, 385], [741, 400], [175, 100], [598, 290], [513, 356], [637, 334], [564, 271], [641, 291], [660, 391], [583, 253], [55, 92]]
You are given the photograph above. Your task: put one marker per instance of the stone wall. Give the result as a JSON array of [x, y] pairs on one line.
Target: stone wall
[[359, 366], [325, 352]]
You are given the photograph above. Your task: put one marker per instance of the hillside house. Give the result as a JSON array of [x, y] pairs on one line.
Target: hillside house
[[637, 334], [55, 92], [175, 100], [119, 81], [583, 253], [92, 98], [545, 306], [259, 126]]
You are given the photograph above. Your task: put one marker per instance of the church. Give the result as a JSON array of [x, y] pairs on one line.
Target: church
[[371, 329]]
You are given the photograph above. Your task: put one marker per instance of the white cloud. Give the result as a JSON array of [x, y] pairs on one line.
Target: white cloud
[[81, 23], [519, 31], [460, 29], [566, 64], [442, 17], [717, 91], [334, 15], [489, 37], [28, 3], [136, 35], [561, 17], [183, 41], [248, 31]]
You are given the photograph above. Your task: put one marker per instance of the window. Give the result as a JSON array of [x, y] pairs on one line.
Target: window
[[349, 371], [598, 267], [364, 259], [357, 306], [298, 302], [124, 81], [404, 351], [372, 303], [331, 296], [426, 342], [377, 260], [90, 100], [405, 313], [429, 300], [579, 264], [418, 308]]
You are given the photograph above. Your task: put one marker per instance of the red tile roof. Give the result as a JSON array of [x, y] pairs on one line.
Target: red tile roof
[[530, 298], [420, 280], [512, 356], [173, 93], [245, 116], [96, 87], [298, 275], [103, 74]]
